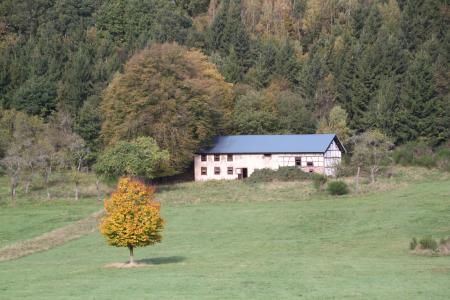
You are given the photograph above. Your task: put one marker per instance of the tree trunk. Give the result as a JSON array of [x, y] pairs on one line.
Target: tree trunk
[[131, 262], [357, 179], [372, 174], [13, 192], [97, 185], [27, 186], [46, 176]]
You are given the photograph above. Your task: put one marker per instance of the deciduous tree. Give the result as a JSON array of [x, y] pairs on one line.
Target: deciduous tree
[[172, 94], [132, 217], [140, 158], [372, 150]]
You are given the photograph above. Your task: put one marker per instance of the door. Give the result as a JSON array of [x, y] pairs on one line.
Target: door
[[244, 173]]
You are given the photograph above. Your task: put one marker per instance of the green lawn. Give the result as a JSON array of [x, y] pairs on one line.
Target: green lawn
[[292, 246], [35, 214]]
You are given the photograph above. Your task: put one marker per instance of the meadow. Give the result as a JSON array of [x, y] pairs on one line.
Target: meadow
[[232, 240]]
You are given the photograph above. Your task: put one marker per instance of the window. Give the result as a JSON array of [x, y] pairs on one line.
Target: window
[[310, 164], [204, 170], [217, 170], [216, 157], [230, 157], [298, 161], [230, 170], [267, 155], [203, 157], [311, 171]]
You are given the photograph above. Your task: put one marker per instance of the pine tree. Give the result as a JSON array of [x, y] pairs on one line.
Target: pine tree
[[419, 102]]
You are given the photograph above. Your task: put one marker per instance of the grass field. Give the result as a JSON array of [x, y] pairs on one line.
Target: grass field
[[238, 241]]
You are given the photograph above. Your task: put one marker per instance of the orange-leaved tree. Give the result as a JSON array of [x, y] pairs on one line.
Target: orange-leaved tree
[[132, 216]]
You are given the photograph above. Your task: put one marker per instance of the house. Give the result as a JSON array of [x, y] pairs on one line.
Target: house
[[238, 156]]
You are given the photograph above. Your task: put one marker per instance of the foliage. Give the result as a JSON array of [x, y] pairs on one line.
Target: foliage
[[428, 243], [413, 243], [275, 109], [337, 188], [132, 216], [372, 149], [140, 158], [422, 154], [385, 63], [172, 94], [281, 174], [336, 123], [319, 180]]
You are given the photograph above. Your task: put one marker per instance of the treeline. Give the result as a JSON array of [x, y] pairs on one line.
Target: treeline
[[228, 67], [29, 148]]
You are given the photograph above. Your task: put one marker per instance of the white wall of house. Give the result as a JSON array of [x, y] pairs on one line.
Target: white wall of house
[[332, 158], [310, 162]]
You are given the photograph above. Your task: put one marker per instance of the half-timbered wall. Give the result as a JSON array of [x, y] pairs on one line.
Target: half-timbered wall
[[332, 158], [309, 162]]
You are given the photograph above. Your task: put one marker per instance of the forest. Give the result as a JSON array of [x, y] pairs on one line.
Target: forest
[[81, 76]]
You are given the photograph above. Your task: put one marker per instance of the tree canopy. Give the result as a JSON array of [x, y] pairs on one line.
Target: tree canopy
[[182, 71], [139, 158], [172, 94], [132, 216]]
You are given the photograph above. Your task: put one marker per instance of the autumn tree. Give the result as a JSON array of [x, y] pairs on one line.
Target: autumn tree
[[172, 94], [132, 217]]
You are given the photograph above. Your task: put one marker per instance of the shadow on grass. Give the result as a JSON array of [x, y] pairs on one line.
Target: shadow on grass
[[162, 260]]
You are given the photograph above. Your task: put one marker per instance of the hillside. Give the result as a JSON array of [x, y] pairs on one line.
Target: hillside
[[260, 241], [289, 63]]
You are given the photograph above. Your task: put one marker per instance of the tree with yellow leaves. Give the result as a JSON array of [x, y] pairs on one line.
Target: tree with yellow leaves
[[132, 216]]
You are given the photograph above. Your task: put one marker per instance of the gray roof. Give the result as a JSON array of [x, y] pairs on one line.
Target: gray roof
[[289, 143]]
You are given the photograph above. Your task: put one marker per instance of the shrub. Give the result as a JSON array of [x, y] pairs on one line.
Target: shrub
[[319, 181], [282, 174], [262, 175], [291, 174], [338, 188], [426, 160], [421, 154], [443, 158], [428, 243], [413, 244]]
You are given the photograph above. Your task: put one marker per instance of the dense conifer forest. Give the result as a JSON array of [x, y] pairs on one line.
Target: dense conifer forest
[[183, 71]]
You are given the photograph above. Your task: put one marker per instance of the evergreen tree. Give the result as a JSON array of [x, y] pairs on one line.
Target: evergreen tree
[[419, 102]]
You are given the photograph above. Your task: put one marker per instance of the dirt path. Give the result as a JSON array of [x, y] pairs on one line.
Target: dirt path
[[51, 239]]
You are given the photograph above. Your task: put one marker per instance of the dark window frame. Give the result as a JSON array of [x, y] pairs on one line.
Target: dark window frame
[[230, 170], [216, 157], [204, 171], [298, 161], [203, 157], [216, 170], [229, 157], [310, 164]]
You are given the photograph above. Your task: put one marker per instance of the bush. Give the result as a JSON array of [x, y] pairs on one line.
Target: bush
[[426, 160], [421, 154], [443, 158], [428, 243], [282, 174], [338, 188], [291, 174], [262, 175], [319, 181], [413, 244]]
